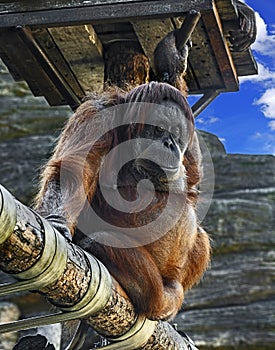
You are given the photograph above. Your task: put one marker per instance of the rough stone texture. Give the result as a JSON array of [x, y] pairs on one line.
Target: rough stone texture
[[8, 312], [28, 128], [233, 307]]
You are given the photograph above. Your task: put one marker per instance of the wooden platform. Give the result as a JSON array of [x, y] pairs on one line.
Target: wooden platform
[[58, 47]]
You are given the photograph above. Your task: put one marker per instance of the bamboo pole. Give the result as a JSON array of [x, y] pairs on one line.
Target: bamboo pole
[[73, 280]]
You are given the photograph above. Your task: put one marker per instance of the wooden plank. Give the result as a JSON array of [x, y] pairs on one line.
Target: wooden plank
[[83, 52], [38, 5], [90, 13], [211, 65], [48, 45], [245, 63], [29, 5], [27, 67], [203, 66], [112, 32], [227, 10], [19, 46], [202, 73], [229, 17], [221, 50]]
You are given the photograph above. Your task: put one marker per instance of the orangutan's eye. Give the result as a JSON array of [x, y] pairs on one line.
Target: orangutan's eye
[[161, 128]]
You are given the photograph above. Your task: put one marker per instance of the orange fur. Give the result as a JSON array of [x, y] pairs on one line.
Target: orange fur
[[155, 276]]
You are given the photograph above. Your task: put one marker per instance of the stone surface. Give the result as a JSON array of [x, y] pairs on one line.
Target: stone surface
[[9, 312], [28, 128], [233, 307]]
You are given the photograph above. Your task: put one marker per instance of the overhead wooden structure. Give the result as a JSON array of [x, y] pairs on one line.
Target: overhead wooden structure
[[58, 47]]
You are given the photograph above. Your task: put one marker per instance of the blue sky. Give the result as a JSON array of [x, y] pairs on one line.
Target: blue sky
[[245, 120]]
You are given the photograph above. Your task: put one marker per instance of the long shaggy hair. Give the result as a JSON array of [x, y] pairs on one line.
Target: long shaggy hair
[[154, 276]]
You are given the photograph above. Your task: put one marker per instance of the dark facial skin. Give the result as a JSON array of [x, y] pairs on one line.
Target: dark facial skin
[[160, 146]]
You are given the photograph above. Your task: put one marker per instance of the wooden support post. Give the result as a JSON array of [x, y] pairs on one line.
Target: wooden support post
[[125, 65]]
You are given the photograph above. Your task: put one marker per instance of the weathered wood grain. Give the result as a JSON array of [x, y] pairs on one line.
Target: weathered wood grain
[[52, 14], [27, 5]]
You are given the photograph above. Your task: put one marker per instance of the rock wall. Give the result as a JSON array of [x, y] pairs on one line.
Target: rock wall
[[233, 307], [28, 128]]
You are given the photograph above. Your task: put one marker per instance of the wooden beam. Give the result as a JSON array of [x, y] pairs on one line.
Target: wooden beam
[[203, 73], [11, 44], [49, 47], [79, 12], [204, 101], [34, 66], [245, 63], [221, 50], [83, 52]]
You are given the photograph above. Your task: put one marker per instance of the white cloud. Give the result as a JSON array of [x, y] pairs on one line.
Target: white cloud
[[267, 103], [257, 135], [213, 120], [270, 147], [272, 125], [265, 46], [272, 29], [265, 75], [207, 120], [265, 42], [265, 141]]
